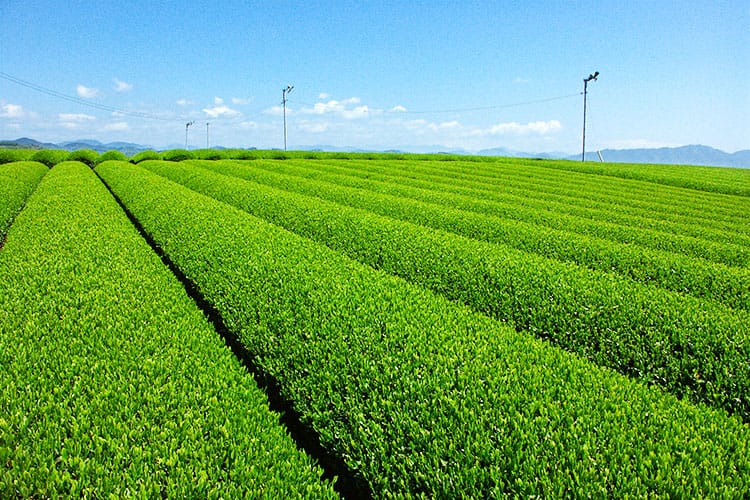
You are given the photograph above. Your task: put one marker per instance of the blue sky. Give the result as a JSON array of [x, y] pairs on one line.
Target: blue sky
[[378, 75]]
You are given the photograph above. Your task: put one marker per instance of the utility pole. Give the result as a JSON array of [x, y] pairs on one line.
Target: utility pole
[[585, 90], [206, 135], [284, 92], [187, 126]]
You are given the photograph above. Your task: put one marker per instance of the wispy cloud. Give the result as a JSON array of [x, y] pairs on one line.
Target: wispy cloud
[[76, 117], [323, 96], [220, 109], [121, 86], [313, 127], [86, 92], [515, 128], [239, 101], [444, 125], [12, 111], [277, 111], [397, 109], [74, 120], [117, 127], [346, 109], [184, 102]]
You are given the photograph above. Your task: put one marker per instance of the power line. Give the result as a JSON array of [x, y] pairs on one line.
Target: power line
[[78, 100]]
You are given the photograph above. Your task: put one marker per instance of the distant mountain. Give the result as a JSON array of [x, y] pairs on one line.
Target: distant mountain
[[127, 148], [26, 143], [683, 155]]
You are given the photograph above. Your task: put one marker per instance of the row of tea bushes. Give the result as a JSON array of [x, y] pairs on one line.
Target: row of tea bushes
[[113, 382], [424, 397]]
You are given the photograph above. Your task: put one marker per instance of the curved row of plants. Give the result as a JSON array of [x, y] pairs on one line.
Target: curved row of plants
[[689, 347], [17, 181], [648, 199], [727, 252], [525, 197], [114, 384], [714, 179], [424, 397], [683, 274], [636, 188]]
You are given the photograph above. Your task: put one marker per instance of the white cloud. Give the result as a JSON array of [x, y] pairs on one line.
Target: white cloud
[[341, 108], [76, 117], [323, 96], [397, 109], [184, 102], [239, 101], [121, 86], [313, 127], [116, 127], [220, 110], [277, 111], [358, 112], [519, 79], [11, 111], [249, 125], [444, 126], [74, 120], [86, 92], [515, 128], [218, 101]]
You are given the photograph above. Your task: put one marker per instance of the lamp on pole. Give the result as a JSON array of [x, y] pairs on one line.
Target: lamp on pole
[[284, 92], [207, 123], [187, 126], [585, 89]]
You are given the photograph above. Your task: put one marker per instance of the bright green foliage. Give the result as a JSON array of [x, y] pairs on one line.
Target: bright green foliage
[[672, 271], [691, 348], [87, 156], [112, 154], [517, 197], [537, 179], [177, 155], [11, 155], [17, 182], [716, 179], [49, 157], [424, 397], [145, 155], [113, 383], [211, 154]]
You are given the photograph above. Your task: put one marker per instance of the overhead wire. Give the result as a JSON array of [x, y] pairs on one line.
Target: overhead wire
[[81, 101], [140, 114]]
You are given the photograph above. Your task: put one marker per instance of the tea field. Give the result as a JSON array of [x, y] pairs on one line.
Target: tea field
[[268, 324]]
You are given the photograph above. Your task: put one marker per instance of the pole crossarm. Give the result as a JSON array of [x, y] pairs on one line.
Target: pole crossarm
[[586, 81], [284, 93]]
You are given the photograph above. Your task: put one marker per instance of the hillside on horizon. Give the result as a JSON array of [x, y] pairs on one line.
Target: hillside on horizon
[[694, 154]]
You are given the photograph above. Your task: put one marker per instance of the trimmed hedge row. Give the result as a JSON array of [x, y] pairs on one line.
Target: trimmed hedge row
[[728, 253], [425, 398], [647, 198], [522, 195], [713, 179], [692, 348], [114, 384], [17, 181], [670, 271]]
